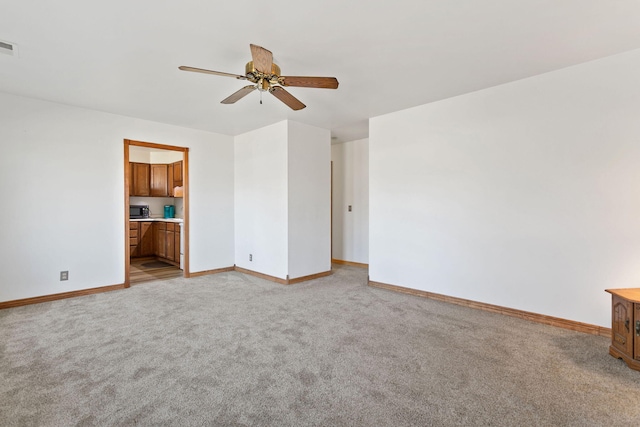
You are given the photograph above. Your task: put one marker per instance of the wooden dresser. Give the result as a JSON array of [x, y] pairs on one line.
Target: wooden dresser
[[625, 326]]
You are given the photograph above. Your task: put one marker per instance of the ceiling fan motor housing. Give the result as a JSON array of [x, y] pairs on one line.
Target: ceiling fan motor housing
[[254, 75]]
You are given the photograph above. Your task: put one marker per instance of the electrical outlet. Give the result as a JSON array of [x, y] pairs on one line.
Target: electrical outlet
[[349, 208], [250, 257], [64, 275]]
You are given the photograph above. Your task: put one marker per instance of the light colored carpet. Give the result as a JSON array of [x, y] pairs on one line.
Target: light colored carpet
[[231, 349]]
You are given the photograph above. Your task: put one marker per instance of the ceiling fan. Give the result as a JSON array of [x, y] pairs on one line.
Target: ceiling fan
[[265, 76]]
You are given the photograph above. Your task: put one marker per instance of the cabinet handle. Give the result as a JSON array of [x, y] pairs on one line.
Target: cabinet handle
[[638, 328], [626, 325]]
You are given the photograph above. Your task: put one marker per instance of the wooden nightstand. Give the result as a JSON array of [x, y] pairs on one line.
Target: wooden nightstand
[[625, 326]]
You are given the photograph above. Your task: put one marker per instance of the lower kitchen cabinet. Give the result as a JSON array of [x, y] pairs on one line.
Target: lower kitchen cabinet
[[171, 248], [176, 244], [155, 238], [145, 244], [160, 229], [141, 239], [167, 243], [134, 229]]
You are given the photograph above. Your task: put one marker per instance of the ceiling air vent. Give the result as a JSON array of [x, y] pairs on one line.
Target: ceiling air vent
[[8, 48]]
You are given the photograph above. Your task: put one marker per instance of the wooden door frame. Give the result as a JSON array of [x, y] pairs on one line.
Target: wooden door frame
[[185, 185]]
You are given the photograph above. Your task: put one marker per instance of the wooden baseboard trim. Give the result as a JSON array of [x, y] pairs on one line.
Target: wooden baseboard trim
[[286, 281], [526, 315], [351, 263], [63, 295], [207, 272], [261, 275], [309, 277], [83, 292]]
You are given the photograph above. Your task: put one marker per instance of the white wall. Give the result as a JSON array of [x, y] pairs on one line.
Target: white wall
[[140, 154], [351, 188], [261, 200], [525, 195], [309, 183], [211, 203], [165, 156], [57, 158], [282, 189], [153, 155]]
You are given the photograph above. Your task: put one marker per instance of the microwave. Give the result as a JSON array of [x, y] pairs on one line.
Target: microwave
[[138, 211]]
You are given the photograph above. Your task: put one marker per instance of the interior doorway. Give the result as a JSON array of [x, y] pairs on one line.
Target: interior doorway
[[156, 177]]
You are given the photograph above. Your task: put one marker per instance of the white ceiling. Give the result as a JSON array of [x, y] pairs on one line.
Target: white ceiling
[[122, 56]]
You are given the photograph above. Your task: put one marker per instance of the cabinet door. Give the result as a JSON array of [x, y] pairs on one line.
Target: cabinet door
[[170, 184], [159, 181], [176, 240], [171, 250], [177, 174], [161, 239], [146, 239], [131, 175], [622, 328], [140, 177], [636, 331]]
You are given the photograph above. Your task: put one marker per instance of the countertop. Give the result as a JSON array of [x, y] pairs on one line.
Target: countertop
[[179, 220], [630, 294]]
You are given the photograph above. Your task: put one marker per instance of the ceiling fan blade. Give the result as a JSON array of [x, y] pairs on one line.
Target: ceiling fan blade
[[216, 73], [238, 95], [318, 82], [262, 59], [284, 96]]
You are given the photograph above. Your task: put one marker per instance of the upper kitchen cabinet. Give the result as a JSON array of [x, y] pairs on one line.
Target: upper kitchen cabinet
[[174, 171], [139, 179], [159, 181], [177, 174], [156, 180]]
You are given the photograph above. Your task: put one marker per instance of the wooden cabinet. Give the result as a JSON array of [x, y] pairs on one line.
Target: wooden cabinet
[[133, 239], [161, 239], [139, 184], [170, 184], [159, 183], [625, 326], [176, 244], [155, 180], [167, 242], [131, 175], [155, 238], [141, 240], [145, 239], [171, 248], [177, 174], [174, 178]]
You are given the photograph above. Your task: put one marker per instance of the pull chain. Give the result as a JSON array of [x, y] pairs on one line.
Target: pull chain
[[260, 97]]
